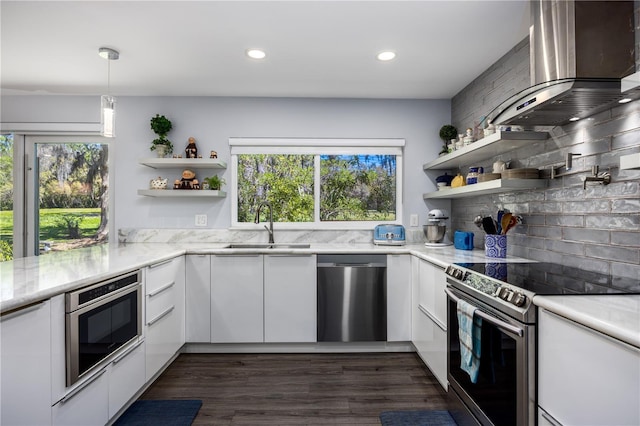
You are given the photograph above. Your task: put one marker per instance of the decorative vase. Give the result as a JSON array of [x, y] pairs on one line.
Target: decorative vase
[[161, 151]]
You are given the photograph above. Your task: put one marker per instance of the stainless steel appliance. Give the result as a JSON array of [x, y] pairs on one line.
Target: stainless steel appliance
[[577, 62], [436, 228], [505, 391], [352, 298], [100, 319], [389, 235]]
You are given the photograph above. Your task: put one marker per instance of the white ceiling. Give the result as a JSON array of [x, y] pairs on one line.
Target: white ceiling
[[314, 48]]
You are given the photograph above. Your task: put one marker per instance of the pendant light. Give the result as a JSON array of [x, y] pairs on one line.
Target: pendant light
[[108, 102]]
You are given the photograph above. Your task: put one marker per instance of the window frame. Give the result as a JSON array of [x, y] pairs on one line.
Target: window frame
[[316, 147]]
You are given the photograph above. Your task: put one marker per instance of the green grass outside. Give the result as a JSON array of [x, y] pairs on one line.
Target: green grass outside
[[52, 224]]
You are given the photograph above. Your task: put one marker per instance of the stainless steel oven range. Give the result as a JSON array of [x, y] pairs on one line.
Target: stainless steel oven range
[[503, 391], [99, 320]]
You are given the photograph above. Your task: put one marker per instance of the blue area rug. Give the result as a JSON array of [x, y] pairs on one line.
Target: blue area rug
[[160, 413], [417, 418]]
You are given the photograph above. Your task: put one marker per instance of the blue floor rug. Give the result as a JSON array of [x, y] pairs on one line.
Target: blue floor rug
[[175, 412], [417, 418]]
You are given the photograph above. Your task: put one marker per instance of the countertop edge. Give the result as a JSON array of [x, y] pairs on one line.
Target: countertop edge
[[558, 305]]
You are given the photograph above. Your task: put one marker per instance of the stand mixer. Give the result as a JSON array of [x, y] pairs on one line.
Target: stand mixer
[[436, 228]]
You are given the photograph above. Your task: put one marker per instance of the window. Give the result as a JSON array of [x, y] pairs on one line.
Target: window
[[317, 183]]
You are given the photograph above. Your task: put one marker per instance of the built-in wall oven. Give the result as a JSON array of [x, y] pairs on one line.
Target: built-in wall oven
[[504, 391], [99, 320]]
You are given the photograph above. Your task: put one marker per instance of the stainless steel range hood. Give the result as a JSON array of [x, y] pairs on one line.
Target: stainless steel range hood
[[580, 51]]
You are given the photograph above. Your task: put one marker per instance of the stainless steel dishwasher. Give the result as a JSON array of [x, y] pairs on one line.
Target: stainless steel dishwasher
[[352, 297]]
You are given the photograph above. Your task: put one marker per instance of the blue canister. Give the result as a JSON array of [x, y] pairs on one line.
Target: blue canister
[[463, 240], [472, 176]]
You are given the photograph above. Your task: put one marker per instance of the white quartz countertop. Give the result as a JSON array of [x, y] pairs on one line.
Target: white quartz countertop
[[32, 279], [617, 316]]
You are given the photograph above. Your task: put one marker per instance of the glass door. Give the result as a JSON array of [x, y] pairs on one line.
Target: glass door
[[7, 227], [68, 202]]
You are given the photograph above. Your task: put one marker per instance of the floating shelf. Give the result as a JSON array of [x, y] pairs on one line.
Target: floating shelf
[[490, 187], [491, 146], [174, 163], [176, 193]]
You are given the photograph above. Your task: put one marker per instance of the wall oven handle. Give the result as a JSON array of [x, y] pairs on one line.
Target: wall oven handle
[[162, 315], [491, 319], [77, 390]]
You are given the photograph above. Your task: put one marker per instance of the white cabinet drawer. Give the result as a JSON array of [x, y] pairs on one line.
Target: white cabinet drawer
[[86, 405], [163, 273], [430, 341], [160, 300], [127, 376]]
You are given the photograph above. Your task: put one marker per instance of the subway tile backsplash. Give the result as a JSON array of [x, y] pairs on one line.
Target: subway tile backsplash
[[597, 228]]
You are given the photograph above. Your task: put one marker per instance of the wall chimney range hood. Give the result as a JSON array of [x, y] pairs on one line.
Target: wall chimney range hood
[[580, 51]]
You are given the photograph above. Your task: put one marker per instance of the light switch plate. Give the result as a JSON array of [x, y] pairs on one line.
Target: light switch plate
[[413, 220], [201, 220]]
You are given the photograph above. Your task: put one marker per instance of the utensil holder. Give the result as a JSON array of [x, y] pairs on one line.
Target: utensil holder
[[495, 246]]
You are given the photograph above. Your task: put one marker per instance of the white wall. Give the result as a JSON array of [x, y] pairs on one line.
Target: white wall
[[212, 121]]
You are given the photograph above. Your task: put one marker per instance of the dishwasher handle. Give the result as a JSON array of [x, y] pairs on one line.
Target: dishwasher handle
[[351, 265]]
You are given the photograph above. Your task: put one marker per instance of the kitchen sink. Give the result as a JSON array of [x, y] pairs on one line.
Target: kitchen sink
[[269, 246]]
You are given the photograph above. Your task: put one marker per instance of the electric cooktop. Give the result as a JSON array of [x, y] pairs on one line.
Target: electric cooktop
[[550, 278]]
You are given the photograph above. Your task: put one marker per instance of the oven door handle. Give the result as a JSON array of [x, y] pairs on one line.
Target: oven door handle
[[505, 326]]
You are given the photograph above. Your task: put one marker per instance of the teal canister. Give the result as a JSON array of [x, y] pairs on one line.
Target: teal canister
[[463, 240]]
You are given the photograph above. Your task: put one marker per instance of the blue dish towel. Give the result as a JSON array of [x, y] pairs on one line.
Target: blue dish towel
[[469, 332]]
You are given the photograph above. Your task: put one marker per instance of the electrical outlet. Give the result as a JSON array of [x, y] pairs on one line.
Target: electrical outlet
[[413, 220], [201, 220]]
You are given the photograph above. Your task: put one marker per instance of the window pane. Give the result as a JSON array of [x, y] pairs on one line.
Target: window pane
[[357, 187], [73, 195], [284, 180], [6, 197]]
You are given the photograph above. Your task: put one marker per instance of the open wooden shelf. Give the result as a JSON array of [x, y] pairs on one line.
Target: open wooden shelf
[[490, 187], [177, 193], [175, 163]]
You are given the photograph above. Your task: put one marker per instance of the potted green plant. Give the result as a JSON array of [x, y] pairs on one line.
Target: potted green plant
[[215, 182], [447, 132], [161, 126]]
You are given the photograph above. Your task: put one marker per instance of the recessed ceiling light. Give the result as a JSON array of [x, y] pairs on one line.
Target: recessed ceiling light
[[574, 119], [624, 100], [256, 53], [387, 55]]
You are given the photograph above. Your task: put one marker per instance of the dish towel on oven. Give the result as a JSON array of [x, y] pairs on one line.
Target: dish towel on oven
[[469, 329]]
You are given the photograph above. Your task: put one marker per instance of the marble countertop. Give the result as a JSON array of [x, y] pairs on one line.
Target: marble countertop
[[617, 316], [32, 279]]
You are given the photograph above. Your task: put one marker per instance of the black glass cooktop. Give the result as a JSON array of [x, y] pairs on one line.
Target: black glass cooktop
[[553, 278]]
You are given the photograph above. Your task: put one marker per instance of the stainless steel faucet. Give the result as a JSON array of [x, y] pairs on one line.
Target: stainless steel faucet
[[602, 178], [270, 227]]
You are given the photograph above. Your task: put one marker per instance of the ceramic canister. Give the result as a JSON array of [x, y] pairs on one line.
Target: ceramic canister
[[472, 176]]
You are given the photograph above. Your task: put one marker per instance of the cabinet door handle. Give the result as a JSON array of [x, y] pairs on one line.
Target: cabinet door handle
[[128, 351], [23, 310], [162, 315], [155, 265], [77, 390], [161, 289], [432, 317]]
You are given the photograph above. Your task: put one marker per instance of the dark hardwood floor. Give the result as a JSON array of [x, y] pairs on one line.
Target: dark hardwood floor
[[299, 389]]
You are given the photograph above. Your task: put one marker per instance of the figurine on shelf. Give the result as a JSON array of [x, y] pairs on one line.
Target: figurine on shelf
[[213, 154], [468, 137], [176, 184], [192, 150], [491, 128], [188, 180]]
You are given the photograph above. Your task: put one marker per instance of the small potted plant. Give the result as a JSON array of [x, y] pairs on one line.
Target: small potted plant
[[447, 132], [161, 126], [215, 182]]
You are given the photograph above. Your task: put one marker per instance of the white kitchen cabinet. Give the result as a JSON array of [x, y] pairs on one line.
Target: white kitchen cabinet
[[237, 297], [584, 376], [290, 298], [126, 376], [429, 317], [198, 298], [86, 404], [398, 298], [25, 366], [164, 313]]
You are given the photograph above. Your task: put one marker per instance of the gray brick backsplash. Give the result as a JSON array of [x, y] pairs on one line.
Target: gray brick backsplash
[[586, 235], [597, 228], [625, 238], [565, 247], [627, 205], [618, 254], [564, 220], [625, 270]]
